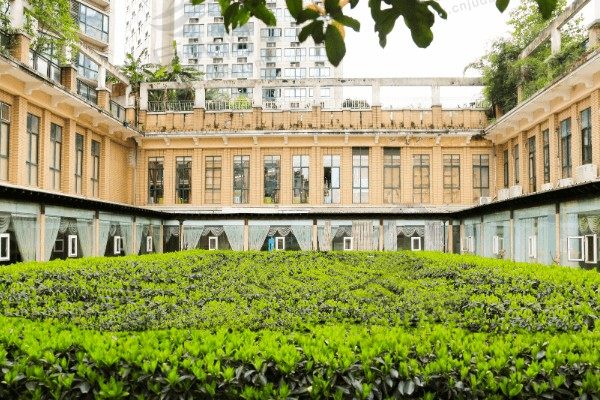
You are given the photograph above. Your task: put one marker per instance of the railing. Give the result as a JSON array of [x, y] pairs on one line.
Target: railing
[[170, 106], [45, 66], [117, 111], [86, 91], [355, 104], [228, 105]]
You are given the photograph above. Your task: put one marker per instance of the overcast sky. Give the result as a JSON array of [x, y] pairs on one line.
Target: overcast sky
[[461, 39]]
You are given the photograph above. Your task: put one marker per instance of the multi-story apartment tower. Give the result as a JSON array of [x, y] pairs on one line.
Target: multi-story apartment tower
[[253, 51]]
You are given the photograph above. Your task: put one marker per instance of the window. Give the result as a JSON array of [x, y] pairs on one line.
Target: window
[[86, 67], [215, 30], [55, 155], [149, 244], [497, 245], [451, 178], [241, 179], [360, 175], [272, 173], [421, 178], [532, 246], [279, 243], [95, 168], [87, 92], [415, 244], [270, 33], [213, 243], [5, 247], [212, 180], [72, 246], [78, 162], [33, 131], [301, 178], [192, 30], [531, 163], [505, 167], [546, 145], [586, 136], [565, 147], [4, 139], [193, 11], [183, 185], [91, 22], [517, 171], [155, 180], [331, 179], [583, 248], [481, 176], [117, 245], [348, 243], [468, 244], [391, 175]]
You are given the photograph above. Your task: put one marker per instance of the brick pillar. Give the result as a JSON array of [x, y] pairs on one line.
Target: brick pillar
[[437, 180], [595, 106], [87, 166], [130, 115], [105, 163], [576, 139], [436, 115], [539, 158], [256, 118], [68, 78], [197, 177], [67, 176], [285, 192], [346, 172], [315, 167], [20, 47], [316, 117], [44, 151], [555, 171], [376, 175], [376, 117], [169, 177], [17, 171], [104, 99], [227, 178], [256, 176]]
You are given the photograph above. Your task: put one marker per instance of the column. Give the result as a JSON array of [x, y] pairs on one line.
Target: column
[[21, 41], [41, 250], [199, 107], [44, 151], [246, 235], [376, 175], [197, 177], [436, 107], [555, 40], [105, 162], [18, 142], [67, 175]]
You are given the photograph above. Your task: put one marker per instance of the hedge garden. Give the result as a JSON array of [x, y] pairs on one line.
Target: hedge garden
[[252, 325]]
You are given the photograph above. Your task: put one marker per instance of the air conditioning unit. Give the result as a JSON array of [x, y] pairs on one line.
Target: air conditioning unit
[[193, 40], [194, 20], [565, 182], [547, 186], [485, 200], [586, 173], [503, 194], [516, 190]]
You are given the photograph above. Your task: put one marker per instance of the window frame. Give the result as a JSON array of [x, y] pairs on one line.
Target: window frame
[[95, 176], [451, 182], [421, 191], [79, 152], [149, 244], [348, 239], [546, 154], [586, 241], [5, 247], [505, 168], [300, 179], [214, 240], [332, 192], [5, 110], [517, 161], [481, 165], [532, 246], [416, 240], [271, 174], [72, 243], [581, 240], [497, 244], [212, 165], [55, 154], [360, 192], [183, 191], [586, 136], [33, 160], [117, 245], [156, 180], [241, 163], [531, 163], [280, 240], [392, 175], [566, 158]]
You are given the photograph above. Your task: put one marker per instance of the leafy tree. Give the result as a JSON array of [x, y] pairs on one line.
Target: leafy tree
[[327, 24], [504, 73]]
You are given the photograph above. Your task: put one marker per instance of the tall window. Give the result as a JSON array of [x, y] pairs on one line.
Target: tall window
[[481, 176], [331, 179], [391, 175], [92, 22], [451, 178], [360, 175], [95, 168], [421, 178], [272, 176], [301, 178], [212, 180], [586, 136], [546, 144], [55, 156], [516, 157], [565, 147], [4, 139], [505, 167], [33, 131], [531, 164], [78, 162], [183, 185], [155, 180], [241, 179]]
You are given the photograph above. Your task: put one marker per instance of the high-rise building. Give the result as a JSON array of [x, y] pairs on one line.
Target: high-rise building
[[252, 51]]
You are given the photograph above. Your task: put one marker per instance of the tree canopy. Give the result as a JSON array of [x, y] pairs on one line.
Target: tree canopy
[[327, 23]]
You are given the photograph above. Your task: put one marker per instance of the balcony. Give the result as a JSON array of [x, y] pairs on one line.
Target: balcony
[[239, 104], [184, 106], [117, 111]]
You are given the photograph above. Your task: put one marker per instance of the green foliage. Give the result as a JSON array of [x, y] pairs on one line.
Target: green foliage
[[503, 72], [326, 24], [298, 325]]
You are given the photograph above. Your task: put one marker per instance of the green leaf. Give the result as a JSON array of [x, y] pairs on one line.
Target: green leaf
[[334, 45], [501, 5], [349, 22], [307, 14], [332, 7], [546, 7], [264, 14], [294, 7]]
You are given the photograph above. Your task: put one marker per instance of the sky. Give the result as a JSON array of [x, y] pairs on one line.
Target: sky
[[471, 27]]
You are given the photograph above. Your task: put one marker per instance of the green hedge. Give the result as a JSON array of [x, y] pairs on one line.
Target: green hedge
[[298, 325]]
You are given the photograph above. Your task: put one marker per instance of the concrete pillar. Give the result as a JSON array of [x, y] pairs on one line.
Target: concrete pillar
[[315, 240], [257, 99], [200, 97], [436, 99], [96, 228], [555, 40], [17, 14], [143, 98], [375, 95], [101, 77], [41, 248], [246, 236]]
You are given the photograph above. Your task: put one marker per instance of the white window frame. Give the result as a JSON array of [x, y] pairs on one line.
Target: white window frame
[[280, 243], [581, 241], [72, 242], [117, 245], [497, 245], [348, 240], [532, 246], [149, 244], [586, 243], [215, 240], [5, 247], [413, 241]]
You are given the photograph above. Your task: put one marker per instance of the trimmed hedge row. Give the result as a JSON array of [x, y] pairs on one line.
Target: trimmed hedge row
[[46, 360]]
